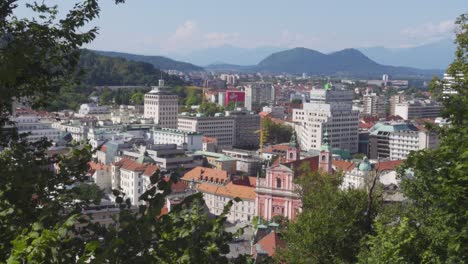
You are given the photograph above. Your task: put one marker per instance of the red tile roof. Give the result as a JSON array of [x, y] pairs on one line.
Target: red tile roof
[[270, 243], [387, 165], [133, 165], [206, 174], [343, 165], [209, 140]]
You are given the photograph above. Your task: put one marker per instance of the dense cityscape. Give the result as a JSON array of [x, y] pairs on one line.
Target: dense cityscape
[[145, 160]]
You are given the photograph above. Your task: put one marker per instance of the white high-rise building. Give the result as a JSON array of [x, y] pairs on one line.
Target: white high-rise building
[[330, 111], [374, 105], [259, 93], [162, 106]]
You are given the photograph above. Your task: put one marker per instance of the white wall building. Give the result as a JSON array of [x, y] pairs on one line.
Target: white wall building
[[403, 142], [374, 105], [191, 141], [162, 106], [37, 129], [259, 93], [93, 109], [132, 177], [330, 111], [418, 109]]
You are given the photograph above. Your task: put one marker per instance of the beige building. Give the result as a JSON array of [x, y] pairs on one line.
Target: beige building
[[220, 127], [218, 189], [162, 106]]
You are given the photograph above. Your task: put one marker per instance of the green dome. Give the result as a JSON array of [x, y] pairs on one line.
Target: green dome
[[365, 165]]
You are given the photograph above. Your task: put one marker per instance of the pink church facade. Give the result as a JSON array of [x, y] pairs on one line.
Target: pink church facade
[[277, 194]]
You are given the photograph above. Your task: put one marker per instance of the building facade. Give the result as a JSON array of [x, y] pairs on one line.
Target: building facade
[[247, 125], [403, 142], [187, 140], [328, 111], [418, 109], [162, 106], [374, 105], [277, 192], [259, 93]]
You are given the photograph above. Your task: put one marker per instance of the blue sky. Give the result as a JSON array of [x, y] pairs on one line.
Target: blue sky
[[180, 26]]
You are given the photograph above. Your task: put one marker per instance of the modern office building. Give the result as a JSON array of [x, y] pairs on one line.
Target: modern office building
[[162, 106], [328, 111], [395, 140], [403, 142], [418, 109], [220, 127], [374, 105], [396, 99], [232, 128], [258, 94], [247, 125]]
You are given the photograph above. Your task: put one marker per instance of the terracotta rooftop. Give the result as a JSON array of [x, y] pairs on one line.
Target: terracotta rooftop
[[206, 174], [263, 114], [133, 165], [229, 190], [312, 163], [387, 165], [279, 148], [97, 166], [270, 243], [209, 140], [343, 165]]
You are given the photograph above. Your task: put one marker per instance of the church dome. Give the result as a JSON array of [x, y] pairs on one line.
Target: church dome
[[365, 165]]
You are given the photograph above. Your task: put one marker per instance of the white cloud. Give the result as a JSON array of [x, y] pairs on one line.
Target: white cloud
[[189, 36], [220, 38], [430, 31]]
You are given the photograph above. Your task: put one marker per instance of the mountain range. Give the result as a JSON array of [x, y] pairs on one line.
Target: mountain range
[[345, 63], [227, 54], [436, 55], [367, 62]]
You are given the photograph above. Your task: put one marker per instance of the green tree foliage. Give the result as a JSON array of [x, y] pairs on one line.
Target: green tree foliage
[[276, 133], [188, 95], [331, 224], [40, 206], [433, 228], [98, 70], [209, 108], [137, 98]]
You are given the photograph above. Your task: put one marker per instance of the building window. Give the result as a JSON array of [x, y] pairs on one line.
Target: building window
[[278, 183]]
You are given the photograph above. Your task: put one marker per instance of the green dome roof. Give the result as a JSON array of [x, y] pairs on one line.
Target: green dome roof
[[365, 165]]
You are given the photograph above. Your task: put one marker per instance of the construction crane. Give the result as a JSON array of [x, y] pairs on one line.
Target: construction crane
[[263, 135]]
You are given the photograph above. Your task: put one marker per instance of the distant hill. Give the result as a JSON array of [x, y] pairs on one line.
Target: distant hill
[[102, 70], [345, 63], [158, 62], [437, 55], [230, 67], [228, 54]]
